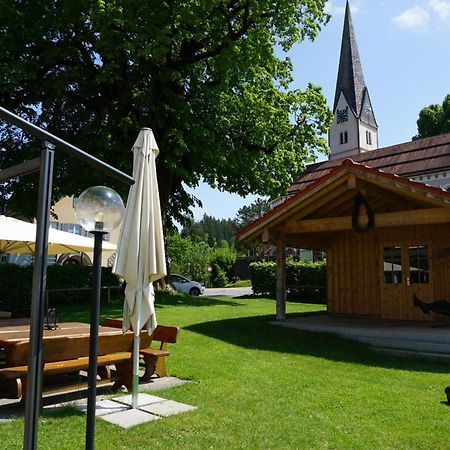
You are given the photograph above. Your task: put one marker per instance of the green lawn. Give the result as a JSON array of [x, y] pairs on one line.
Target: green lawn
[[259, 386], [240, 283]]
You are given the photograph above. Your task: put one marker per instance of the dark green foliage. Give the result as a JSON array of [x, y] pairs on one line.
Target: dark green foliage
[[188, 258], [225, 259], [15, 286], [211, 230], [207, 76], [222, 264], [16, 283], [218, 276], [306, 281], [192, 259], [109, 278], [306, 273], [263, 277], [434, 120], [245, 216]]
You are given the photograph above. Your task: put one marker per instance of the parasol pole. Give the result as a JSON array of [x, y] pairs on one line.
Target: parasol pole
[[136, 345]]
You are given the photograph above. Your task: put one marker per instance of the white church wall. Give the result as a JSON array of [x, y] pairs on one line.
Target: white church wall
[[436, 179], [365, 128], [350, 126]]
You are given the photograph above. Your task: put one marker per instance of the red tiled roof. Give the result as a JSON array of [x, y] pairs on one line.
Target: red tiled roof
[[341, 165], [407, 160]]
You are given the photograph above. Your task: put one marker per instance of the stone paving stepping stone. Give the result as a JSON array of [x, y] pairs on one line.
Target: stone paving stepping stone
[[129, 418], [143, 399], [104, 407], [167, 408]]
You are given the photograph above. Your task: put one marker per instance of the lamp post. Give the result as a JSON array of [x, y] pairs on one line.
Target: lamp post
[[98, 210]]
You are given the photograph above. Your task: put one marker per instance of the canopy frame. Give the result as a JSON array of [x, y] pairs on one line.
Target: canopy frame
[[45, 166]]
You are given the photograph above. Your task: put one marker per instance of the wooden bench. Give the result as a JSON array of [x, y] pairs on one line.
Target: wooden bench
[[154, 358], [65, 355]]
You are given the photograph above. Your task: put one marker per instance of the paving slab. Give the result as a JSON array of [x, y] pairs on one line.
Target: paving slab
[[103, 407], [129, 418], [143, 399], [167, 408], [425, 339], [156, 383], [10, 409]]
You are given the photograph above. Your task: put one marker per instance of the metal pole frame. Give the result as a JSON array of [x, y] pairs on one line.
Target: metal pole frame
[[64, 146], [34, 387], [136, 346], [33, 394], [93, 342]]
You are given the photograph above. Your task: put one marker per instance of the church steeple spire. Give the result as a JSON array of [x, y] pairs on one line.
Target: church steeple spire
[[350, 78], [354, 129]]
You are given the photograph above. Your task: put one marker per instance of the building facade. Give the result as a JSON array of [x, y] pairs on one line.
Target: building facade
[[381, 214]]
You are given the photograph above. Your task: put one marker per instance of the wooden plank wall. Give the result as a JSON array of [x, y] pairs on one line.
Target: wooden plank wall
[[354, 272], [440, 241]]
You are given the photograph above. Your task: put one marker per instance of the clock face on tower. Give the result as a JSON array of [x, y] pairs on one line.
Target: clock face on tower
[[367, 109], [342, 115]]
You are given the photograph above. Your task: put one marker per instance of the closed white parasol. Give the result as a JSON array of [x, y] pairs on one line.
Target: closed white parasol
[[140, 256]]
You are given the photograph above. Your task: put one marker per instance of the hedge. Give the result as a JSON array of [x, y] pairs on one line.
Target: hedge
[[306, 281], [16, 283]]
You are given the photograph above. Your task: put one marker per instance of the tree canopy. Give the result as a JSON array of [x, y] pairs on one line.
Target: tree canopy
[[203, 74], [434, 119], [248, 214], [212, 231]]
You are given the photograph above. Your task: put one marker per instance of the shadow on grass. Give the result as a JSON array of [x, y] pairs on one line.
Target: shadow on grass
[[187, 300], [81, 312], [256, 333], [12, 409], [292, 300]]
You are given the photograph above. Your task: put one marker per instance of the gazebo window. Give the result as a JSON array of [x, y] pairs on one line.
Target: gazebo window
[[392, 258], [418, 264]]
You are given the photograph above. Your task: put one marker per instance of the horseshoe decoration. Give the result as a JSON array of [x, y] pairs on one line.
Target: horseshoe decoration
[[358, 203]]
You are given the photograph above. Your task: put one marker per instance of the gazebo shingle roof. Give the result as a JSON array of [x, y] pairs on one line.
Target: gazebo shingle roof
[[408, 160], [342, 165]]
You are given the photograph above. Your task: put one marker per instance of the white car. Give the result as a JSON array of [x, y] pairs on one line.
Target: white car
[[182, 284]]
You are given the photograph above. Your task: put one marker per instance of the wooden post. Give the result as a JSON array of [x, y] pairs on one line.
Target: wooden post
[[281, 278]]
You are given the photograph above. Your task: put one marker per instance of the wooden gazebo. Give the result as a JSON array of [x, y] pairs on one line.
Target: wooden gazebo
[[386, 238]]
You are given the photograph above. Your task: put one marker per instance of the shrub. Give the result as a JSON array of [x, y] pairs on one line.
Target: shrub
[[306, 281], [263, 277], [16, 283], [15, 286], [188, 258], [224, 258], [218, 277]]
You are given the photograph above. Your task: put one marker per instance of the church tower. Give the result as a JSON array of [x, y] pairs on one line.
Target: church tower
[[354, 129]]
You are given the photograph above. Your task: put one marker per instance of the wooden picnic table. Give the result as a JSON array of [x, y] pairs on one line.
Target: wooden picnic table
[[66, 349], [17, 333]]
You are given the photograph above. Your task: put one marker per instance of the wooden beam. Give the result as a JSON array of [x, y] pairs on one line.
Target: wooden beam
[[320, 191], [416, 195], [308, 242], [345, 199], [351, 181], [320, 202], [281, 279], [392, 198], [415, 217], [399, 218]]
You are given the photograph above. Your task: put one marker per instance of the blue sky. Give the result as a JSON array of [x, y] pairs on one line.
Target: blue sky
[[404, 46]]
